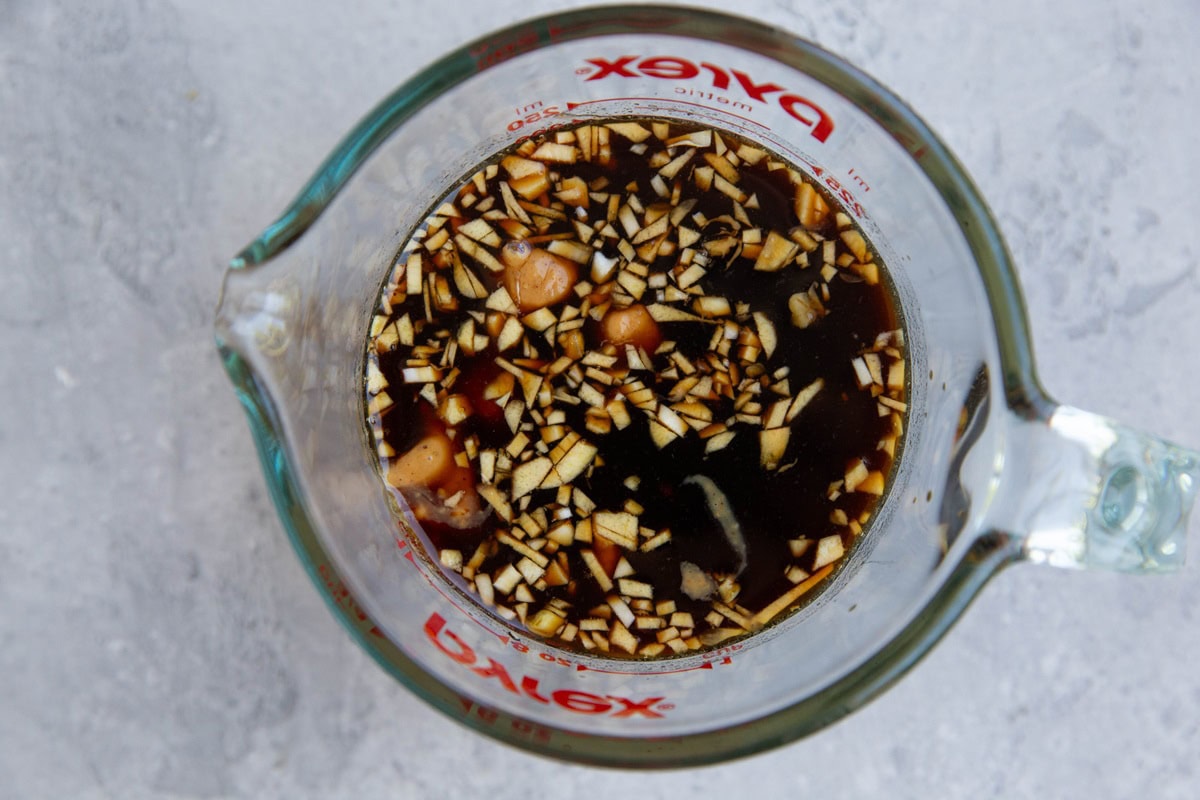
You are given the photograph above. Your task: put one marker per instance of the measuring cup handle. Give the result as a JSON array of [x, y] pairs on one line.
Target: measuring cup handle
[[1084, 492]]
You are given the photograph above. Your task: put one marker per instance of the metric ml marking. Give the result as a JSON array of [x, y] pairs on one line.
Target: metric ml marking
[[854, 176]]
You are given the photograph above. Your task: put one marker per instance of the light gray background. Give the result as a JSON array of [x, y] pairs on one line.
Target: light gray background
[[159, 639]]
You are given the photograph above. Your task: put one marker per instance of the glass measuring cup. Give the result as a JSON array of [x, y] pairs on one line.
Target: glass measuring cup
[[993, 471]]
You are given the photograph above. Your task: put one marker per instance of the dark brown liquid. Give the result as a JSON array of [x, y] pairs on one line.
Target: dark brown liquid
[[842, 424]]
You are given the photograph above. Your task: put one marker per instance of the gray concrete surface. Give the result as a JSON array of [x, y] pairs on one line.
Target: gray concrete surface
[[159, 639]]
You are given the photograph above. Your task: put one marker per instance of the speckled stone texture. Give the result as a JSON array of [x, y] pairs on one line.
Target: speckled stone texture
[[158, 637]]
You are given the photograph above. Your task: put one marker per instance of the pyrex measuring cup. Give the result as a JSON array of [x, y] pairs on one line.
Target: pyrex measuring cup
[[992, 472]]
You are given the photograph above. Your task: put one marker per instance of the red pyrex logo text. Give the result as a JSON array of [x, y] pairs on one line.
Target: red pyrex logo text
[[679, 69], [571, 699]]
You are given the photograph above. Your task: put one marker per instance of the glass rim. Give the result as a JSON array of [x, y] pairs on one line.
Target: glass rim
[[989, 553]]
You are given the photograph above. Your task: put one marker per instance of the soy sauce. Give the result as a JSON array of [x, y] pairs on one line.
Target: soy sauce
[[841, 444]]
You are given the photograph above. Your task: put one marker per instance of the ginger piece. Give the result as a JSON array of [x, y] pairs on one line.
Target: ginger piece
[[536, 278]]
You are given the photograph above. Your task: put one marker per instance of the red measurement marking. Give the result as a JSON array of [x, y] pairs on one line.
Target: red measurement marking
[[668, 100], [490, 716], [844, 195], [858, 179], [341, 595], [703, 665], [523, 648], [517, 645]]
